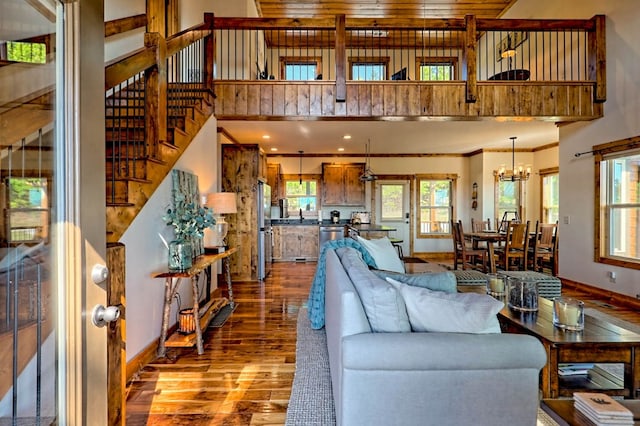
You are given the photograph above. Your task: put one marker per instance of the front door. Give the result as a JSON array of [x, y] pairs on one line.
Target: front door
[[392, 209]]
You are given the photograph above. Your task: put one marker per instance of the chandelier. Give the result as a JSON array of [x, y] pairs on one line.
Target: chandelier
[[513, 175]]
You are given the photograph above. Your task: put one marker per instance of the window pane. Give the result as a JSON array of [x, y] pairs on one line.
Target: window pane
[[507, 199], [437, 72], [301, 196], [435, 206], [391, 201], [368, 72], [300, 71], [550, 198], [624, 225]]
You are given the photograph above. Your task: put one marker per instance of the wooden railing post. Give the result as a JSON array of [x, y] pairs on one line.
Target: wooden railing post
[[470, 60], [598, 58], [341, 59], [156, 94], [209, 51]]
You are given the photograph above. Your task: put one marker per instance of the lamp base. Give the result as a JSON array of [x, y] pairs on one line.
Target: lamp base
[[214, 236]]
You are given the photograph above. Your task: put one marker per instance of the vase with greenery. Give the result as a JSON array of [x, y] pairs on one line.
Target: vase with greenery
[[189, 220]]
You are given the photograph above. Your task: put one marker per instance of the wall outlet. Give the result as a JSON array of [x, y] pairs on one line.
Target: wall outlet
[[612, 276]]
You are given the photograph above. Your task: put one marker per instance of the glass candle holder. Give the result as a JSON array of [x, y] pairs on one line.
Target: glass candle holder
[[568, 313], [522, 294], [495, 285]]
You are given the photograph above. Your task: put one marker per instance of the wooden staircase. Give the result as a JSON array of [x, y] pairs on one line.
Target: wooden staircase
[[134, 166]]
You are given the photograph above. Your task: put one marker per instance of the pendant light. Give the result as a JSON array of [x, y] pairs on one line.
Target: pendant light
[[513, 175], [368, 174], [300, 169]]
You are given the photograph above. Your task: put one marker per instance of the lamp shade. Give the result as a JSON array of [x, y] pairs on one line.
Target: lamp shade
[[222, 202]]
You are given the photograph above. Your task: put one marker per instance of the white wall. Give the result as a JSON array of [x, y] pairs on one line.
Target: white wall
[[146, 254], [118, 45], [620, 121]]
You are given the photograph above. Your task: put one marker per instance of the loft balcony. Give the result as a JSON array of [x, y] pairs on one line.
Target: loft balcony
[[368, 69]]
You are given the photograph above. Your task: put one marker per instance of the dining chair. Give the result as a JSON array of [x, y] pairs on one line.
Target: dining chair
[[480, 225], [542, 245], [515, 248], [464, 254]]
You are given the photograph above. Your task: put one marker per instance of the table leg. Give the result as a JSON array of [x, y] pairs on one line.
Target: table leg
[[227, 273], [196, 314], [169, 290]]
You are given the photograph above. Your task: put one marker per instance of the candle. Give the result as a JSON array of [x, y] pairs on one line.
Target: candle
[[496, 285], [568, 313]]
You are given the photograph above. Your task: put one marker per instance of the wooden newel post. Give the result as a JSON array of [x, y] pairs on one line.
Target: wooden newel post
[[341, 59], [209, 51], [598, 58], [156, 93], [469, 68]]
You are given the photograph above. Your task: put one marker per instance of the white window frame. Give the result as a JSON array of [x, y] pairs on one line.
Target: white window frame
[[444, 231]]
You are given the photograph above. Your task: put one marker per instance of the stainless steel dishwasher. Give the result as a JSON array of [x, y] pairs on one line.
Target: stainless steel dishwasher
[[329, 233]]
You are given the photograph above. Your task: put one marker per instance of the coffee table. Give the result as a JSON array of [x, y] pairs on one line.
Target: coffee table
[[563, 412], [600, 341]]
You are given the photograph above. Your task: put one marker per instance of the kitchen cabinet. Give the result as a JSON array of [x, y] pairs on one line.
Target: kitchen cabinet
[[274, 175], [341, 184], [295, 242]]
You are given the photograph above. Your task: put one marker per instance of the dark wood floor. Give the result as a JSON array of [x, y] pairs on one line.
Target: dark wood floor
[[246, 372]]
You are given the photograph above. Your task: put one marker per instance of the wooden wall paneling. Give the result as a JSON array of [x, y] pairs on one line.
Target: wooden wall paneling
[[315, 100], [364, 100], [328, 100], [278, 97], [548, 100], [413, 100], [426, 100], [266, 99], [290, 100], [229, 106], [352, 100], [377, 100], [253, 100], [402, 99], [389, 99], [303, 101], [586, 94], [525, 100], [241, 99]]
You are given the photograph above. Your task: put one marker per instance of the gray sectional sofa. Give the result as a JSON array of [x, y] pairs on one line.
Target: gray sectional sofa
[[423, 378]]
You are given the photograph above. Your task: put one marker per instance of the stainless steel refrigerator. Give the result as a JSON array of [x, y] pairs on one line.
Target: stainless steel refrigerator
[[265, 236]]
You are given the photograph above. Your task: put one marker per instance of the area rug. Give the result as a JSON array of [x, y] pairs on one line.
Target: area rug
[[311, 401]]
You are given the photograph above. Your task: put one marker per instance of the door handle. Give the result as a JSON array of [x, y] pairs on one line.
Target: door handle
[[101, 316]]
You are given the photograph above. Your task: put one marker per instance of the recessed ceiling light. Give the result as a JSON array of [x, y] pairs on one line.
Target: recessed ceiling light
[[266, 137], [341, 149], [346, 137], [274, 149]]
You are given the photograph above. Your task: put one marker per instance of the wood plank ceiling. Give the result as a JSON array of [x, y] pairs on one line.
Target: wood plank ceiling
[[382, 8]]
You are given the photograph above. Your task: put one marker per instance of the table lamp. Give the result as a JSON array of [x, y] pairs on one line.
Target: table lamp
[[220, 203]]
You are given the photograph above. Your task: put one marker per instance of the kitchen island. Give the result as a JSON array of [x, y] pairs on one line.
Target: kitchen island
[[369, 230]]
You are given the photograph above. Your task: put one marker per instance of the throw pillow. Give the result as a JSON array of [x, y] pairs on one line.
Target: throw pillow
[[382, 303], [437, 311], [437, 281], [383, 253]]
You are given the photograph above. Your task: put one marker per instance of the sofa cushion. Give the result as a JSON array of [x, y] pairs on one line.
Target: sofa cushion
[[383, 253], [449, 312], [437, 281], [382, 303]]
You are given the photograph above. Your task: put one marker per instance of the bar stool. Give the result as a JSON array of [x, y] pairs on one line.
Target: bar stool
[[397, 243]]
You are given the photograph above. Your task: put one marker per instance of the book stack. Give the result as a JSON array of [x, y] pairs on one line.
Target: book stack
[[601, 409], [607, 376]]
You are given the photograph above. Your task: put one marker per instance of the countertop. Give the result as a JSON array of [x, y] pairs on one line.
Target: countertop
[[371, 227]]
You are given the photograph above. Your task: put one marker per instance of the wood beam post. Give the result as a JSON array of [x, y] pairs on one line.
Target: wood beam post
[[598, 58], [156, 93], [469, 66], [157, 17], [341, 59], [209, 51]]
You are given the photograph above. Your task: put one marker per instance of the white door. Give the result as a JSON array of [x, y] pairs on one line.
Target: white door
[[79, 229], [392, 209]]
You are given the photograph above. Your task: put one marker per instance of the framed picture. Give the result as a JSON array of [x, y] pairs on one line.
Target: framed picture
[[512, 40]]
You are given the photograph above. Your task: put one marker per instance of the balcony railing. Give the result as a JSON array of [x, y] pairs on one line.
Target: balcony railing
[[424, 50]]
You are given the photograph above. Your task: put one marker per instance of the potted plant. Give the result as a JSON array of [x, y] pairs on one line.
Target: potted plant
[[189, 220]]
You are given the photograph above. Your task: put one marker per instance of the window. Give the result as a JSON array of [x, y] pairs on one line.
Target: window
[[20, 51], [549, 198], [301, 196], [300, 68], [391, 200], [436, 69], [367, 69], [507, 200], [619, 205], [435, 205], [27, 216]]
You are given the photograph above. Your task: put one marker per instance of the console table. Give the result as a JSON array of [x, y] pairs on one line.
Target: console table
[[172, 279]]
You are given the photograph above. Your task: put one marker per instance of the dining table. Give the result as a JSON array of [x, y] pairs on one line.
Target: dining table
[[490, 238]]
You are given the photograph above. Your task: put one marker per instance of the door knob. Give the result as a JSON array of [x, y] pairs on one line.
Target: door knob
[[101, 315]]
